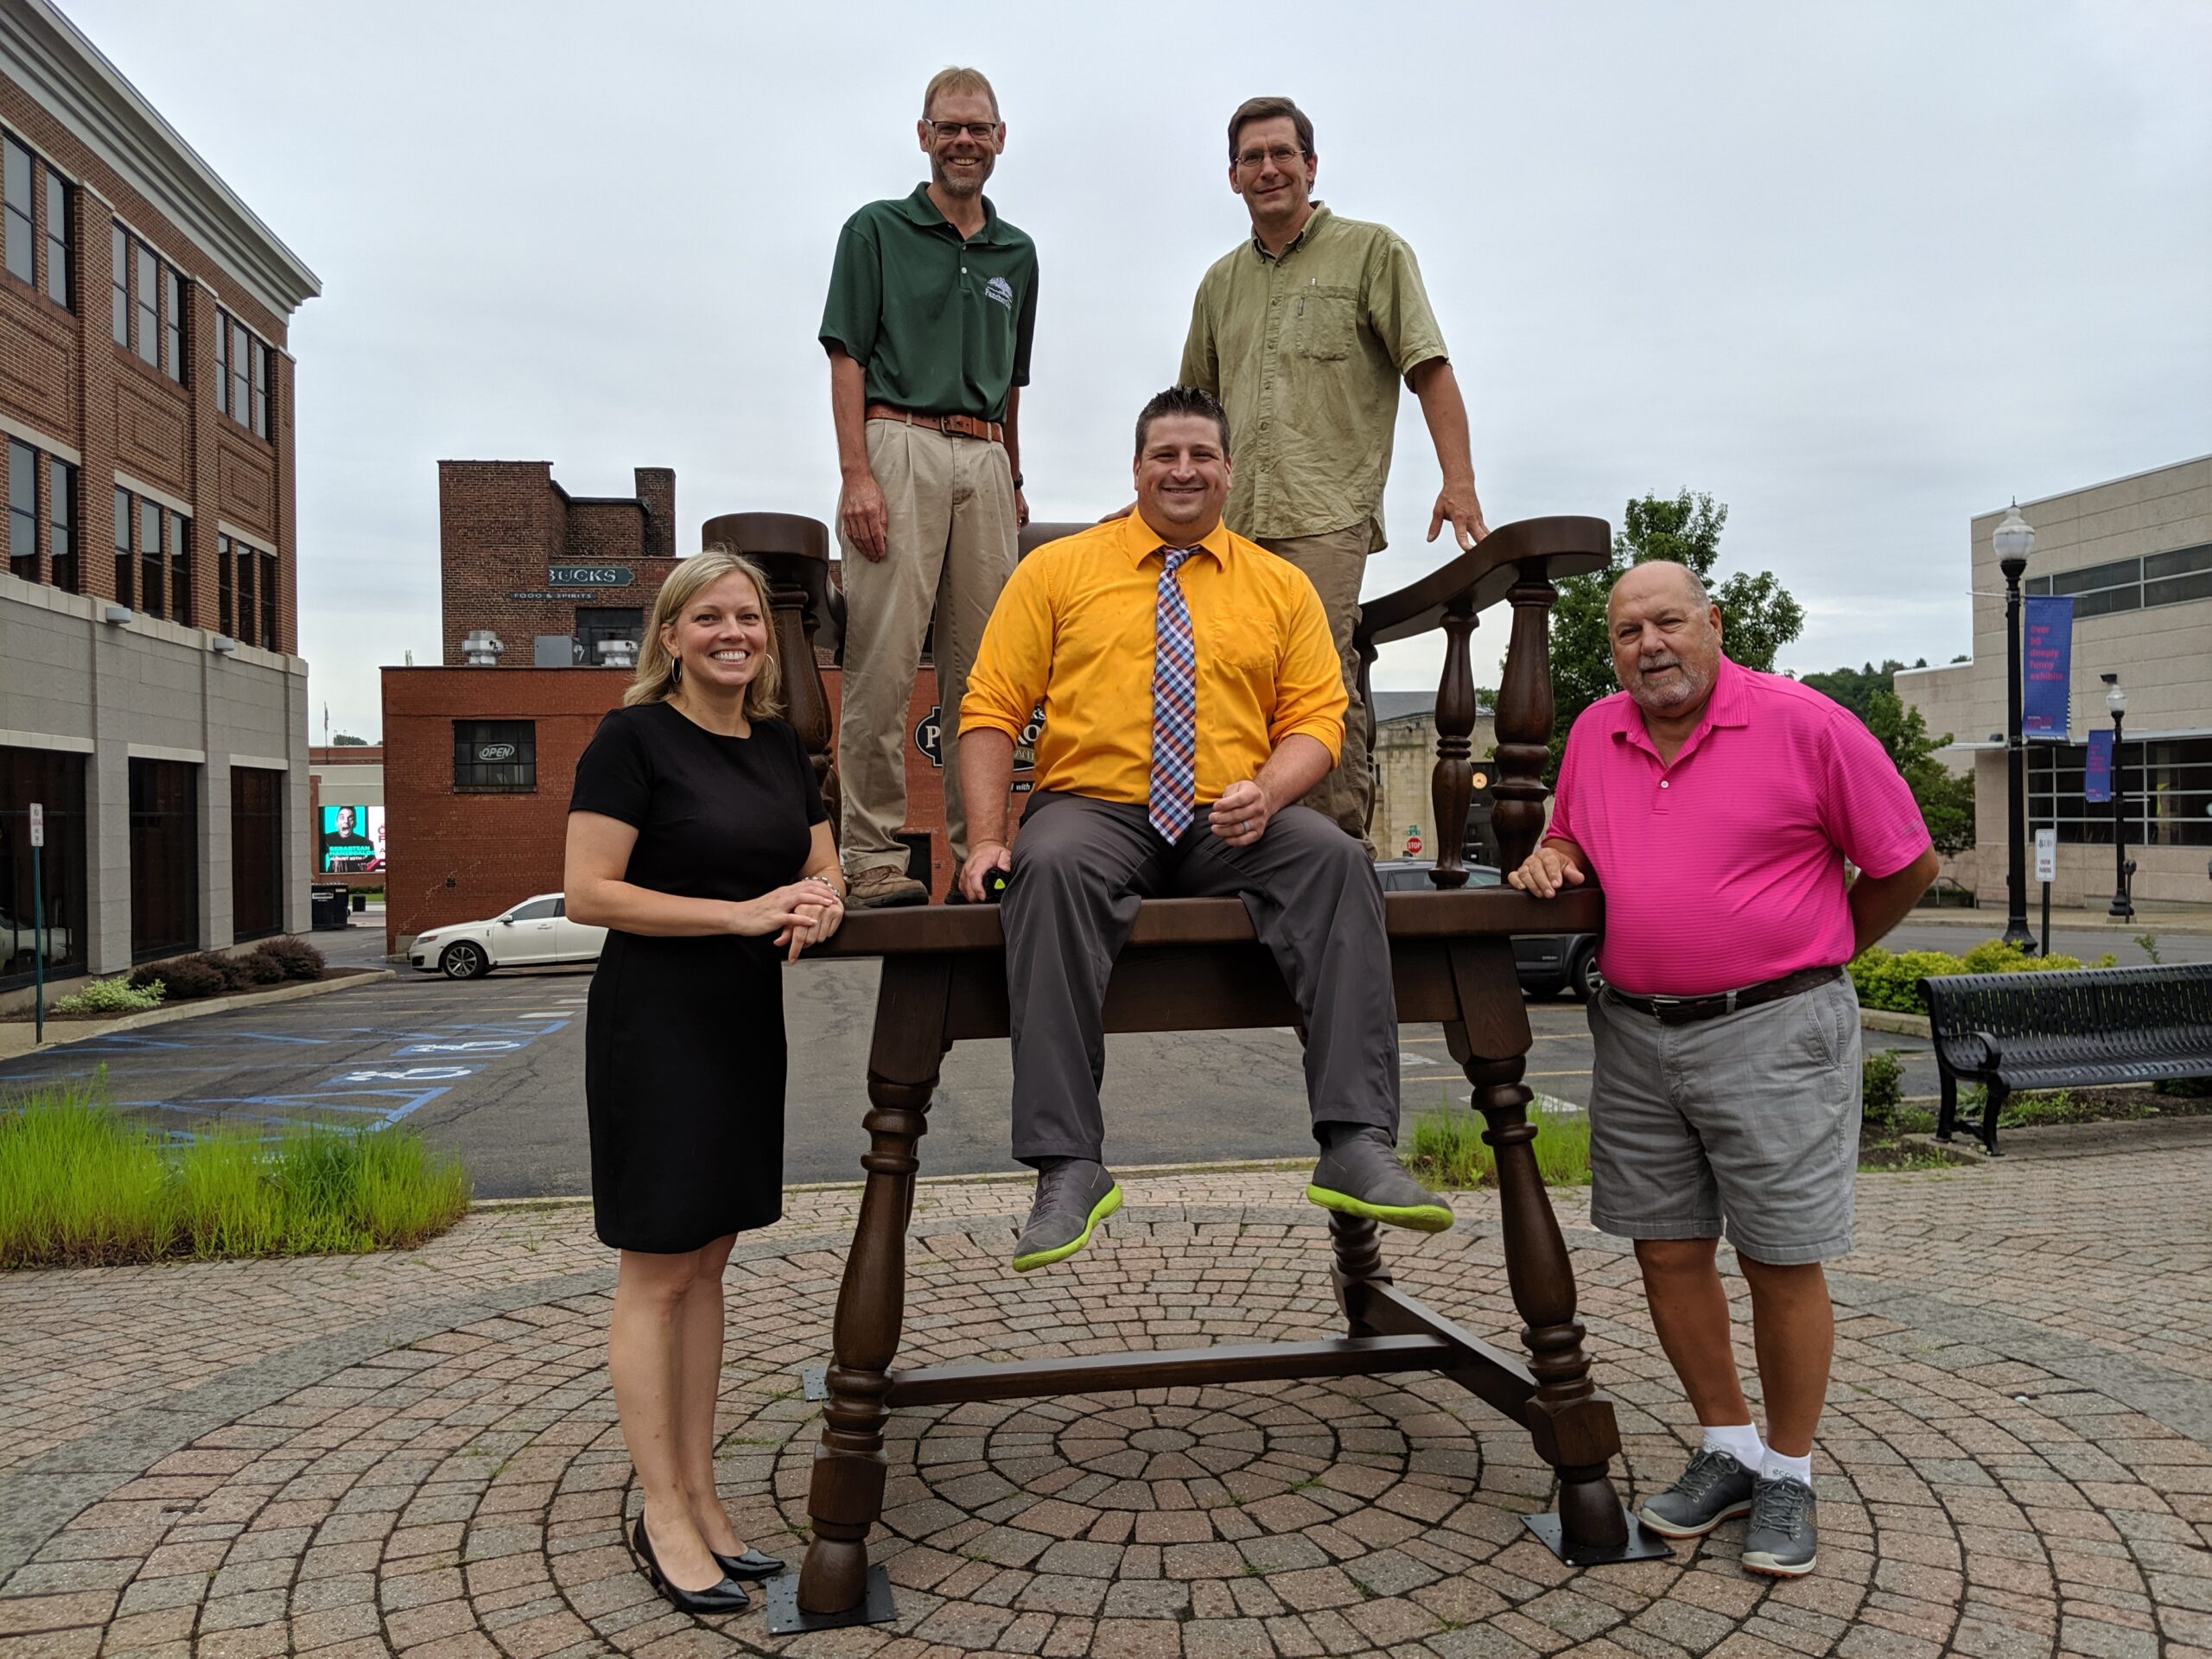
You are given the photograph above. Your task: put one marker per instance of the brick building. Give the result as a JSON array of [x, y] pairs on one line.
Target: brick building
[[553, 579], [553, 576], [151, 700]]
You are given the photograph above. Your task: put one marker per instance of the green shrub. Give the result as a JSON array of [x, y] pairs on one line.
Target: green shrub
[[113, 995], [1447, 1148], [1881, 1087], [2187, 1088], [299, 959], [82, 1186], [1892, 979]]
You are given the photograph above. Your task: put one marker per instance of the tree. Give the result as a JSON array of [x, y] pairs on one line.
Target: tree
[[1854, 688], [347, 741], [1945, 798], [1757, 615]]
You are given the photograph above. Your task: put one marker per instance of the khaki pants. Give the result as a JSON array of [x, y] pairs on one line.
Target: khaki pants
[[950, 548], [1334, 562]]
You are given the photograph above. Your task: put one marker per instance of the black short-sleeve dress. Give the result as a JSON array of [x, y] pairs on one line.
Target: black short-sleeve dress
[[684, 1037]]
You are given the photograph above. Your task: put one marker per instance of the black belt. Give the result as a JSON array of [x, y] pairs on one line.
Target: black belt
[[1682, 1010]]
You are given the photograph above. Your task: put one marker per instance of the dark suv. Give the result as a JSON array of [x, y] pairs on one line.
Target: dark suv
[[1549, 962]]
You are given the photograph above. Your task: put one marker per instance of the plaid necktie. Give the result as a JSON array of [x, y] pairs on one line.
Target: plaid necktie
[[1174, 705]]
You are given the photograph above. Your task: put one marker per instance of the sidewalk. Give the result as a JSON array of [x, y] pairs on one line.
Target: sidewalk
[[417, 1453], [2153, 916]]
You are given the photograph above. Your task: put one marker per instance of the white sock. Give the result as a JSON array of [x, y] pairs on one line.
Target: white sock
[[1740, 1441], [1776, 1466]]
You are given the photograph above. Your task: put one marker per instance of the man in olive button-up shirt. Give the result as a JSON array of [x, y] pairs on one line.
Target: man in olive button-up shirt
[[1305, 332]]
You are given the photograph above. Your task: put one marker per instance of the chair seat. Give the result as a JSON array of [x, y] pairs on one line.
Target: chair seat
[[1465, 912], [2061, 1073]]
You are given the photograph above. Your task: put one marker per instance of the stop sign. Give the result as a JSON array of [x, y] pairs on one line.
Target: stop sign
[[1413, 846]]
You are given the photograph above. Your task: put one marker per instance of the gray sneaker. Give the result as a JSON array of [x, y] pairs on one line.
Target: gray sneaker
[[1780, 1541], [1360, 1176], [1073, 1196], [1713, 1488]]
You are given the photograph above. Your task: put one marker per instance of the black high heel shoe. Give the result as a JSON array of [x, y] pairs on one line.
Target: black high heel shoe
[[751, 1565], [726, 1597]]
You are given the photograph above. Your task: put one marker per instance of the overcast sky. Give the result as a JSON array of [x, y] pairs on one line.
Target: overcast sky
[[1860, 270]]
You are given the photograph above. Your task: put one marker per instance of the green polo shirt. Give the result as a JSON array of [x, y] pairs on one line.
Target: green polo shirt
[[942, 325], [1306, 351]]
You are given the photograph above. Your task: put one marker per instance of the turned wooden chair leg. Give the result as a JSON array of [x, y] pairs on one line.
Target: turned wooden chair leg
[[1359, 1262], [845, 1498], [1571, 1422]]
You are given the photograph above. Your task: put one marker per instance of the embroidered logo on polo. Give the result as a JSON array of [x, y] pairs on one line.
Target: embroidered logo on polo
[[1000, 289]]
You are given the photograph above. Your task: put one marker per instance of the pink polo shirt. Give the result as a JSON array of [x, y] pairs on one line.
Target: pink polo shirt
[[1725, 867]]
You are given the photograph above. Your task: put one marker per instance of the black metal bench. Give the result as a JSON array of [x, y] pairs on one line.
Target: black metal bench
[[2051, 1030]]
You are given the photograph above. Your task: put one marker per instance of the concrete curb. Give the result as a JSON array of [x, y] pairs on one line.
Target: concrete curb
[[1903, 1025], [2192, 919], [15, 1039]]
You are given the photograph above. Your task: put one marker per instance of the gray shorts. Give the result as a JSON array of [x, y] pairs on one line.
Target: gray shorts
[[1747, 1123]]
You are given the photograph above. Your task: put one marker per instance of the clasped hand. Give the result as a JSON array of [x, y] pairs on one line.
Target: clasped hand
[[804, 912]]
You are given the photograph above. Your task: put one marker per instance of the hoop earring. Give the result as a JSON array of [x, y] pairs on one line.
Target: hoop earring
[[675, 672]]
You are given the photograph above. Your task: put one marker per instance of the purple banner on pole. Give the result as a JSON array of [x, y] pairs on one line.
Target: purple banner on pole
[[2096, 776], [2047, 666]]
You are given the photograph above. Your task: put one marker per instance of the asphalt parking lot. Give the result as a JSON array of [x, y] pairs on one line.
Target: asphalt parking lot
[[492, 1069]]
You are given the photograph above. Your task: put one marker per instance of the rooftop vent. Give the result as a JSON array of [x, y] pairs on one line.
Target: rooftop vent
[[482, 648]]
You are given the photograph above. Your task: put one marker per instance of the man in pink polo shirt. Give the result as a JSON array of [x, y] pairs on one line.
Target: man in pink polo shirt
[[1716, 807]]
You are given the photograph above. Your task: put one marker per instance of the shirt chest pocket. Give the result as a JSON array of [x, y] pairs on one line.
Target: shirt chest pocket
[[1242, 645], [1324, 322]]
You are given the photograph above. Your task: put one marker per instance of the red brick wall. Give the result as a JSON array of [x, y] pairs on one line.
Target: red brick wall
[[501, 524], [61, 373], [498, 849]]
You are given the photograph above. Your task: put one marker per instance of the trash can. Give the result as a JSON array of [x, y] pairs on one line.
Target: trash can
[[360, 904], [327, 904]]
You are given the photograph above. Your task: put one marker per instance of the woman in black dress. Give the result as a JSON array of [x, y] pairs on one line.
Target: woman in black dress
[[697, 838]]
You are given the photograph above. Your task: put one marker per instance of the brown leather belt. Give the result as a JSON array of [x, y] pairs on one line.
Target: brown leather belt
[[960, 426], [1682, 1010]]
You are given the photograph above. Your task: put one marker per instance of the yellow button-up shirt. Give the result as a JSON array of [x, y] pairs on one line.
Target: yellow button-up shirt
[[1074, 632]]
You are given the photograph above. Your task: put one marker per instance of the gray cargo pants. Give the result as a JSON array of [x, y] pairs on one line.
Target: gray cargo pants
[[1080, 868]]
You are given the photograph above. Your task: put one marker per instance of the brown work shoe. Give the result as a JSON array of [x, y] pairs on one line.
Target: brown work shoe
[[882, 887]]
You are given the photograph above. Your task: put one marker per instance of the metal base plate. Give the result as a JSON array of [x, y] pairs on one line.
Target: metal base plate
[[785, 1618], [1642, 1544], [814, 1382]]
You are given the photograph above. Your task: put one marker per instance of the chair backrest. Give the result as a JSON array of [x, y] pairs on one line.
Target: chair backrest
[[2071, 1002]]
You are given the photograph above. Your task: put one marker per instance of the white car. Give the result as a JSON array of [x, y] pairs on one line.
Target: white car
[[534, 934]]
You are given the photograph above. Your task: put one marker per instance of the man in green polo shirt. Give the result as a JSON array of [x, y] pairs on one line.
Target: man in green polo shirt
[[932, 303], [1304, 333]]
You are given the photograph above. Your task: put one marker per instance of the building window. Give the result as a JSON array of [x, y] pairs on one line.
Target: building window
[[61, 508], [164, 858], [257, 852], [245, 593], [2167, 784], [243, 393], [120, 246], [57, 238], [122, 567], [226, 617], [149, 304], [22, 511], [269, 636], [15, 221], [56, 782], [2170, 578], [158, 542], [494, 756]]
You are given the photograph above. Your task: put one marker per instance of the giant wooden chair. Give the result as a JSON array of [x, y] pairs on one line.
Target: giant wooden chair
[[1194, 964]]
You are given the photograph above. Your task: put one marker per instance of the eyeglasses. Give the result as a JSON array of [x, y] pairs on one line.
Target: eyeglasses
[[982, 132], [1281, 155]]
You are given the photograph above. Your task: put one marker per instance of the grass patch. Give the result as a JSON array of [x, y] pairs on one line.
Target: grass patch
[[1448, 1150], [81, 1185]]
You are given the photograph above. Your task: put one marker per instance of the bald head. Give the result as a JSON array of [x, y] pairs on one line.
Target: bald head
[[1665, 631]]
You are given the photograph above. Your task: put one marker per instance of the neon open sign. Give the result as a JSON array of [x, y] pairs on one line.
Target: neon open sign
[[489, 752]]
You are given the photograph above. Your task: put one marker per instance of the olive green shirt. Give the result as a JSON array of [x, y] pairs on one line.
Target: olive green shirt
[[941, 326], [1306, 352]]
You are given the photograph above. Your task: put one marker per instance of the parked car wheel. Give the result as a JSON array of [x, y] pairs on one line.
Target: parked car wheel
[[1583, 978], [464, 960]]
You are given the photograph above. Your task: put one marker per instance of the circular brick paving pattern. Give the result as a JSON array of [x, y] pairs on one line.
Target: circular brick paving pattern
[[467, 1494]]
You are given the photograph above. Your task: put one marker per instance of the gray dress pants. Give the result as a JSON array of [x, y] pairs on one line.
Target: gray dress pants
[[1080, 868]]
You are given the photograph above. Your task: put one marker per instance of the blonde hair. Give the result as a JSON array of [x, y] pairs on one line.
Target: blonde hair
[[958, 79], [659, 674]]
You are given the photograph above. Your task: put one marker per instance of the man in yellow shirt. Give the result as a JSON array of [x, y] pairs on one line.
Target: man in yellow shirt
[[1191, 695]]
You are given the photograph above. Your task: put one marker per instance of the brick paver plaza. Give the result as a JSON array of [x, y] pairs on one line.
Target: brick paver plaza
[[417, 1454]]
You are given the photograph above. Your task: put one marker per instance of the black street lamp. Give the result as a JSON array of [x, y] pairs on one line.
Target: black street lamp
[[2014, 539], [2123, 908]]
